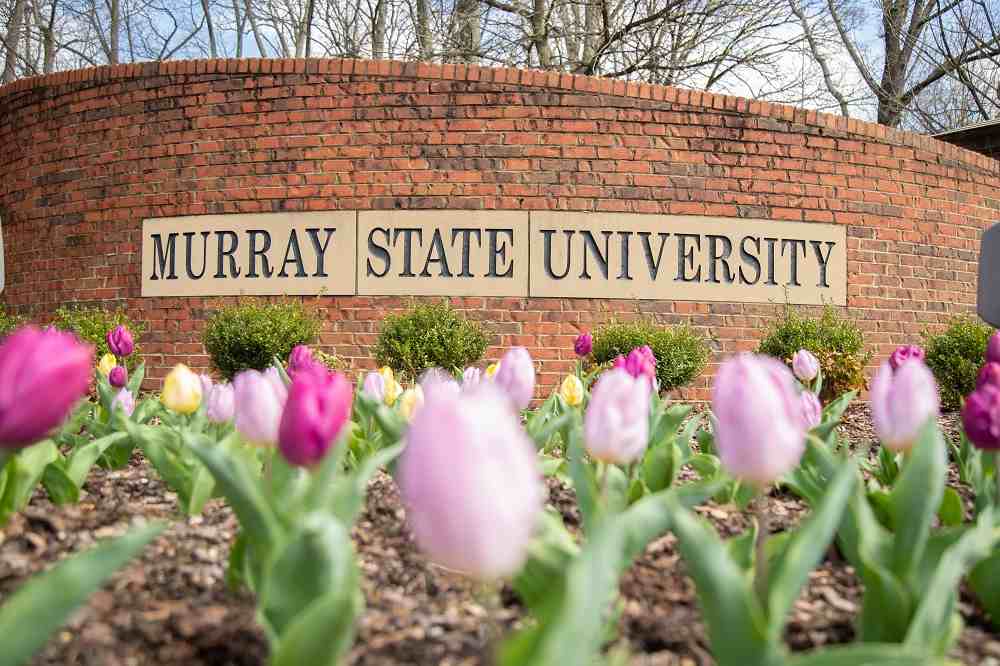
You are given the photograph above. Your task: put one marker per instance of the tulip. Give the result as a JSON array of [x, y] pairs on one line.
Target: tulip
[[120, 341], [989, 374], [220, 404], [125, 400], [43, 374], [902, 401], [981, 417], [993, 348], [584, 344], [206, 384], [118, 377], [318, 407], [471, 377], [259, 398], [374, 386], [107, 364], [392, 387], [812, 410], [300, 358], [470, 482], [181, 390], [805, 365], [616, 425], [492, 369], [905, 353], [437, 379], [640, 362], [759, 429], [516, 376], [411, 400], [571, 390]]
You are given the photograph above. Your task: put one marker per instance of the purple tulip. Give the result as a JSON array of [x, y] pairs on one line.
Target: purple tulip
[[812, 410], [120, 341], [584, 344], [318, 407], [981, 417], [437, 379], [516, 376], [905, 353], [374, 386], [902, 401], [118, 377], [989, 374], [470, 483], [805, 365], [220, 405], [471, 377], [259, 398], [759, 429], [616, 425], [300, 358], [993, 348], [43, 374], [125, 400]]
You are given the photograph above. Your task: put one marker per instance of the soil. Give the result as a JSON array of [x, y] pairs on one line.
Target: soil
[[172, 606]]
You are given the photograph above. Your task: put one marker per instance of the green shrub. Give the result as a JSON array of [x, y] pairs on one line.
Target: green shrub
[[8, 322], [955, 357], [249, 336], [429, 336], [332, 361], [681, 353], [91, 324], [837, 342]]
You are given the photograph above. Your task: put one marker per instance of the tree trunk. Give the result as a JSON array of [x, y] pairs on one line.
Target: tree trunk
[[11, 40], [114, 8], [539, 34], [212, 48], [424, 30], [378, 31]]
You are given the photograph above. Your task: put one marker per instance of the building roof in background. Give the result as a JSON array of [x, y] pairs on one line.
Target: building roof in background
[[982, 137]]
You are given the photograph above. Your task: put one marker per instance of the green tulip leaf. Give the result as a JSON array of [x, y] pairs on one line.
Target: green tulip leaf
[[985, 583], [323, 633], [871, 654], [24, 471], [135, 380], [540, 582], [951, 512]]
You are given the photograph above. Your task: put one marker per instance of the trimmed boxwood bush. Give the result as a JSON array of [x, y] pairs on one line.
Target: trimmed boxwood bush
[[955, 357], [8, 322], [429, 336], [836, 341], [91, 324], [249, 336], [681, 352]]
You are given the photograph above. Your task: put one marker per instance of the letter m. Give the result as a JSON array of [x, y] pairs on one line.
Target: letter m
[[162, 255]]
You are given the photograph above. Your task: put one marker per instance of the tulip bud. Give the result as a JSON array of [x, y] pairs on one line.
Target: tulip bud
[[471, 377], [812, 410], [118, 377], [259, 399], [319, 404], [640, 362], [301, 357], [206, 385], [571, 390], [470, 483], [125, 400], [411, 400], [989, 374], [993, 348], [107, 364], [516, 376], [902, 402], [492, 369], [905, 353], [584, 344], [392, 387], [759, 428], [120, 341], [220, 404], [45, 373], [181, 390], [616, 425], [374, 386], [805, 365], [437, 379], [981, 416]]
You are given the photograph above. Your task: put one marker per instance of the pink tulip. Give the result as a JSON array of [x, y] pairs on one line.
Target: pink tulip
[[981, 417], [437, 379], [805, 365], [373, 386], [906, 353], [300, 358], [903, 401], [993, 348], [812, 410], [640, 362], [318, 407], [989, 374], [470, 482], [616, 425], [516, 376], [259, 399], [471, 377], [220, 405], [125, 400], [759, 429]]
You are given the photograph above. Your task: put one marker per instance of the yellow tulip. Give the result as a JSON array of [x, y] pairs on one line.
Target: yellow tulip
[[392, 391], [411, 400], [572, 390], [387, 375], [107, 364], [181, 390], [491, 369]]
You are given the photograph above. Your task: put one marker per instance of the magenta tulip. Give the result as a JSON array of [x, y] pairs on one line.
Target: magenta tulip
[[516, 376], [981, 417], [640, 362], [903, 401], [120, 341], [43, 374], [805, 365], [812, 410], [259, 399], [906, 353], [616, 425], [318, 407], [759, 429], [220, 403], [300, 358], [118, 377], [583, 344], [993, 348], [470, 483], [989, 374], [125, 400]]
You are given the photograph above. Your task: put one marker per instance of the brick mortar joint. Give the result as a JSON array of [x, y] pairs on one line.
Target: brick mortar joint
[[576, 83]]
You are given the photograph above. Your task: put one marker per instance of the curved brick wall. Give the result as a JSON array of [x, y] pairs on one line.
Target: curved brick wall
[[86, 155]]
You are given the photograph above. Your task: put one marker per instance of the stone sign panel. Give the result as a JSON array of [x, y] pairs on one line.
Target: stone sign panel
[[987, 293], [497, 253]]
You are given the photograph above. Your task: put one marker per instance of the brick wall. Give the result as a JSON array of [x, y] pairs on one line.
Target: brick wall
[[86, 155]]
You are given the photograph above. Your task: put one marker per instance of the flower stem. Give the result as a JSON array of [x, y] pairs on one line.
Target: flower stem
[[760, 581], [996, 475], [5, 455], [488, 596]]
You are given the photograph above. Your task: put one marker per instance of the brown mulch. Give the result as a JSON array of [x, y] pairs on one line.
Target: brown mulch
[[172, 606]]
